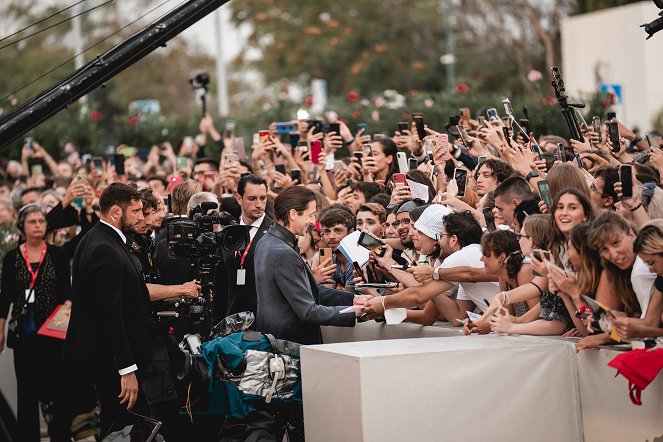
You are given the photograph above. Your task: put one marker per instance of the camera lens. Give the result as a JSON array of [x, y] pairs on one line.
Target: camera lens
[[234, 237]]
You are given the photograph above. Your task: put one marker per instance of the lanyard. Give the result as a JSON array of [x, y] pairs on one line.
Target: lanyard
[[27, 263], [243, 258]]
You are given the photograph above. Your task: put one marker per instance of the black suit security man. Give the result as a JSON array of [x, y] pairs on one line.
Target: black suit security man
[[235, 285], [109, 332]]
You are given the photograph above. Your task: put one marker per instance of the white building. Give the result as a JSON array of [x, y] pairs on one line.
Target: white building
[[609, 46]]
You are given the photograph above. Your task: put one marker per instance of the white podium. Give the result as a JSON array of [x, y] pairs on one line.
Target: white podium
[[433, 389]]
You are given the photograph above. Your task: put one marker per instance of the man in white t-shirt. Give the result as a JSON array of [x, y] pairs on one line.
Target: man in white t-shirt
[[460, 242]]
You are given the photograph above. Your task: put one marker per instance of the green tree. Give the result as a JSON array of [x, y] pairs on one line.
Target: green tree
[[368, 45]]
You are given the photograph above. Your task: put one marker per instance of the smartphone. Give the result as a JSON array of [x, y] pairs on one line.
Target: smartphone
[[464, 113], [358, 156], [481, 160], [316, 150], [508, 109], [180, 163], [230, 159], [402, 162], [403, 126], [579, 161], [419, 123], [505, 131], [560, 152], [542, 255], [461, 179], [302, 146], [596, 124], [361, 126], [399, 178], [413, 163], [325, 254], [537, 150], [492, 113], [611, 115], [285, 127], [544, 192], [368, 149], [358, 271], [650, 139], [119, 164], [524, 123], [264, 136], [28, 143], [98, 163], [482, 120], [238, 144], [613, 135], [335, 127], [36, 169], [626, 178], [280, 168], [296, 175], [490, 218], [371, 243], [464, 138], [400, 266]]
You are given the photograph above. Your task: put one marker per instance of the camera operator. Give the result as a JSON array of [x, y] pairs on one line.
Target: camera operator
[[142, 246], [234, 284], [175, 271]]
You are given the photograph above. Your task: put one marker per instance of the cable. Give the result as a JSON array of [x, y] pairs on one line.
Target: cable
[[82, 52], [55, 24], [42, 20]]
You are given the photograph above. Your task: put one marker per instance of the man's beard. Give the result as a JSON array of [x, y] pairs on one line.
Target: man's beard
[[124, 226]]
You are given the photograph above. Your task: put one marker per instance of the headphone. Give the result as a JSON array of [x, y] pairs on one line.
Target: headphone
[[23, 212]]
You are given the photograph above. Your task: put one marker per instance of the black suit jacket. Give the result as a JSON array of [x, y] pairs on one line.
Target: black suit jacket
[[229, 298], [109, 324]]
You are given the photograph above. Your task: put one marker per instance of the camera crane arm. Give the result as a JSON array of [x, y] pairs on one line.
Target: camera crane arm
[[103, 68]]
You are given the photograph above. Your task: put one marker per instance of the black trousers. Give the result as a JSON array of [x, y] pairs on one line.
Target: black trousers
[[40, 377]]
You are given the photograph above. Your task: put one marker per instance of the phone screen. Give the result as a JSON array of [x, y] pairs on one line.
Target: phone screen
[[280, 168], [296, 175], [403, 126], [461, 179], [119, 164], [613, 130], [419, 123], [544, 192], [369, 242], [463, 135], [335, 127], [626, 178]]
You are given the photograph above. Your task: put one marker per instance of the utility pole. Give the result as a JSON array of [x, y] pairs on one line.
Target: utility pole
[[449, 59], [221, 74]]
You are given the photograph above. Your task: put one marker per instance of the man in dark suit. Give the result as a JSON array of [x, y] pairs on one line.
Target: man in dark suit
[[109, 332], [235, 285], [289, 305]]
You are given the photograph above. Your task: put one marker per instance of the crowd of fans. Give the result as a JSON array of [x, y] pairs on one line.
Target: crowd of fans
[[481, 226]]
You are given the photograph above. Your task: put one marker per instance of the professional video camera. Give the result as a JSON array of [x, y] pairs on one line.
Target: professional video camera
[[198, 239], [654, 26]]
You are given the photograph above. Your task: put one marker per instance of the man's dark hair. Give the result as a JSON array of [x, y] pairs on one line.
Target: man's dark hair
[[294, 197], [158, 178], [117, 194], [207, 160], [381, 199], [369, 189], [149, 200], [249, 179], [501, 169], [466, 228], [514, 187], [610, 176], [525, 209], [334, 215]]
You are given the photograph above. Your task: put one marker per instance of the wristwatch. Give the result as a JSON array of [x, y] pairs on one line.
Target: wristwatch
[[532, 174], [436, 274]]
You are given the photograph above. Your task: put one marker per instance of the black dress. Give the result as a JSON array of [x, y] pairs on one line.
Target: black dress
[[39, 375]]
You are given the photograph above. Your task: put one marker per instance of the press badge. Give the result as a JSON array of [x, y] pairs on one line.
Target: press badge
[[241, 276], [29, 296]]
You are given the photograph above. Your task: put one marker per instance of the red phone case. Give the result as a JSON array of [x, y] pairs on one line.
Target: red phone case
[[316, 149]]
